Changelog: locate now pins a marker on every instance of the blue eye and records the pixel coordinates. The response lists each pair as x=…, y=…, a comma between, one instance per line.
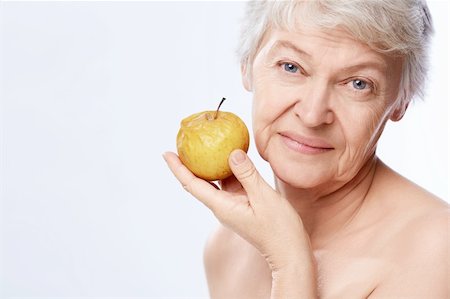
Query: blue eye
x=359, y=84
x=289, y=67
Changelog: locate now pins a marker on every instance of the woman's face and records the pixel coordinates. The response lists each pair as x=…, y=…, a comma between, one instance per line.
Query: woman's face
x=321, y=100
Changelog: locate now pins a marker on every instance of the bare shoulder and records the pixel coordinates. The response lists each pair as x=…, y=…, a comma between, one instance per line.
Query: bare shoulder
x=220, y=251
x=418, y=267
x=234, y=268
x=418, y=262
x=218, y=248
x=405, y=198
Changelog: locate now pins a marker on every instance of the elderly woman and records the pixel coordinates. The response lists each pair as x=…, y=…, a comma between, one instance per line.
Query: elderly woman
x=326, y=76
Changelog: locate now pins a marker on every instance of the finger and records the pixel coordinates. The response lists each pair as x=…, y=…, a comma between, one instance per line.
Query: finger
x=199, y=188
x=245, y=172
x=230, y=184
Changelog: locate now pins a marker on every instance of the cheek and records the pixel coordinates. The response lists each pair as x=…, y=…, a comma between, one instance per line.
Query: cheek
x=361, y=130
x=269, y=104
x=271, y=98
x=261, y=123
x=372, y=125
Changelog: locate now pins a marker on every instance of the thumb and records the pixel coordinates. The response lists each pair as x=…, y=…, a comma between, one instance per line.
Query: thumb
x=245, y=172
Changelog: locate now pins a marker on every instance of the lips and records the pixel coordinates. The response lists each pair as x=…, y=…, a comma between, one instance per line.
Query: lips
x=306, y=145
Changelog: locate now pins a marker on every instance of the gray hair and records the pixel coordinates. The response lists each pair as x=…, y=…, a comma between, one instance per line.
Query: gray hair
x=394, y=27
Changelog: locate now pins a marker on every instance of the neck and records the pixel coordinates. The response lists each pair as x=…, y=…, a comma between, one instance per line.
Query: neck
x=325, y=215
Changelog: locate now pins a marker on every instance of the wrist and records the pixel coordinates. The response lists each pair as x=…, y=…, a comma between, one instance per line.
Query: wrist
x=294, y=276
x=294, y=268
x=291, y=257
x=294, y=281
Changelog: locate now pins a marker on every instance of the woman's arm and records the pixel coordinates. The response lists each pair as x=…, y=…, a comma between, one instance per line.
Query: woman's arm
x=297, y=280
x=257, y=213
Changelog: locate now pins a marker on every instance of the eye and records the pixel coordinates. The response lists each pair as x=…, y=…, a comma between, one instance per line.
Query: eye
x=359, y=84
x=289, y=67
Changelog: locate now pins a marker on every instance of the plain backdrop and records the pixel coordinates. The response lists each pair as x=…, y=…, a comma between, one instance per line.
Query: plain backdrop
x=91, y=95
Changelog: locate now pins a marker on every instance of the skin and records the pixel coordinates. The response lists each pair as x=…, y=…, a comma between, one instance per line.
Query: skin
x=340, y=223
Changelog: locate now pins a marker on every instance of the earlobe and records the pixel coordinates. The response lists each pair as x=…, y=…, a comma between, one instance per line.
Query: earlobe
x=399, y=112
x=245, y=77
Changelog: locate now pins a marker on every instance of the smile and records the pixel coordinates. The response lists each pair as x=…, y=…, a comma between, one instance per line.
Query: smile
x=305, y=145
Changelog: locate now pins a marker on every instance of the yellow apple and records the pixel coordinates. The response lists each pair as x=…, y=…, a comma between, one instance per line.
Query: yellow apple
x=206, y=139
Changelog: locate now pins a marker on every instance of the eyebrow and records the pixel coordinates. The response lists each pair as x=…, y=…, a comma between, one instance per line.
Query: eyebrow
x=369, y=65
x=380, y=67
x=289, y=45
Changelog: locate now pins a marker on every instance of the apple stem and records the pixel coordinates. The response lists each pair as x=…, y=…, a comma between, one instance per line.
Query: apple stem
x=217, y=111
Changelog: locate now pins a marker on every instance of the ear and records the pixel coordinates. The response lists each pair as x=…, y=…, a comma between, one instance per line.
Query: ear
x=399, y=111
x=246, y=81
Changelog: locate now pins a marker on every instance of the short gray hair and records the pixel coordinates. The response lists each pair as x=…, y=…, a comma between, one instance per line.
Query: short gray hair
x=394, y=27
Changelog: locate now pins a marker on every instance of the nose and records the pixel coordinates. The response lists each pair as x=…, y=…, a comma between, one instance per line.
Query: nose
x=314, y=104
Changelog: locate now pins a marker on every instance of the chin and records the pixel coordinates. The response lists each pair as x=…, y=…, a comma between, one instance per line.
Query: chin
x=298, y=175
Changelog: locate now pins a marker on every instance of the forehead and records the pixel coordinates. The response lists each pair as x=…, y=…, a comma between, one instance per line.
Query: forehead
x=336, y=45
x=312, y=42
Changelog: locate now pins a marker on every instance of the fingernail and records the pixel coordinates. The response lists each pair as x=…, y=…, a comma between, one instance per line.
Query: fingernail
x=237, y=157
x=164, y=156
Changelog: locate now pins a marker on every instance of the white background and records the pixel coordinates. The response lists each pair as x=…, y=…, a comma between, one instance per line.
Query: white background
x=91, y=95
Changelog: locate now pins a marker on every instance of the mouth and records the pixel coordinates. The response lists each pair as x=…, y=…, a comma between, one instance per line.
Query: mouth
x=305, y=145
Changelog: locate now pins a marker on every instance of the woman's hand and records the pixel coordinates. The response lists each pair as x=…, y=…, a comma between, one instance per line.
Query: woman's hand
x=253, y=209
